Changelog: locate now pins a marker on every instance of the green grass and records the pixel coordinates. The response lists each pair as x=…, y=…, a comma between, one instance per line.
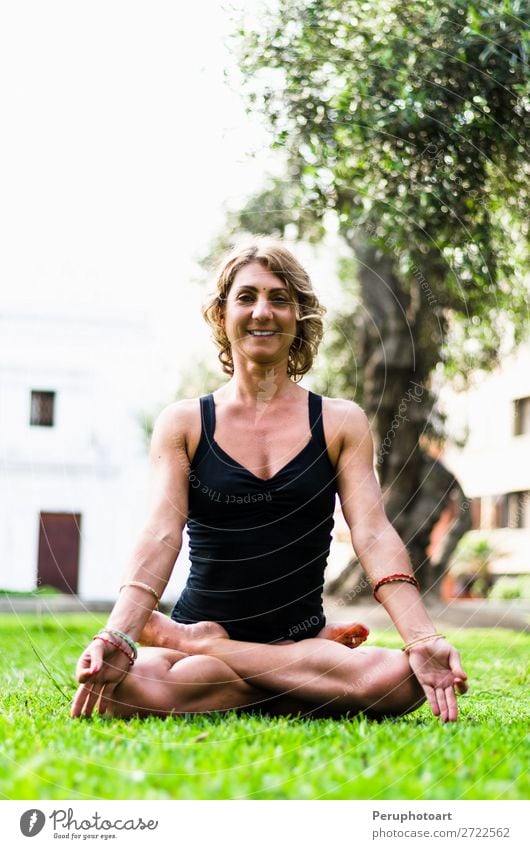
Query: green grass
x=45, y=755
x=43, y=590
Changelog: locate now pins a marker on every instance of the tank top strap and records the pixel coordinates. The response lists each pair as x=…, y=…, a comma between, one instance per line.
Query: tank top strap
x=315, y=419
x=207, y=428
x=208, y=417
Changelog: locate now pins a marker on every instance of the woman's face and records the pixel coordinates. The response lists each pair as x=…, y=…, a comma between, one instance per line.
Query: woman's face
x=259, y=315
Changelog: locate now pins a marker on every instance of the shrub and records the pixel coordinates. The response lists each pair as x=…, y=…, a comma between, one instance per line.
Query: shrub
x=511, y=586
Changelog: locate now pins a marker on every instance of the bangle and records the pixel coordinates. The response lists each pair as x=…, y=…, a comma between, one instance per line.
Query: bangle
x=399, y=576
x=112, y=642
x=124, y=637
x=421, y=640
x=142, y=586
x=116, y=646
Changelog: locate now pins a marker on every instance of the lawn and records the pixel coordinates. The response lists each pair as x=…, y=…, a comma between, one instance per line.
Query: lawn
x=48, y=756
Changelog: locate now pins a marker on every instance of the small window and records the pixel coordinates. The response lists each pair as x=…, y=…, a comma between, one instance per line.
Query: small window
x=518, y=509
x=475, y=513
x=521, y=416
x=500, y=511
x=42, y=408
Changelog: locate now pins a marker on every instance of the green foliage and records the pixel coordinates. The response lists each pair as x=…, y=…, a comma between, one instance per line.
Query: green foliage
x=473, y=552
x=471, y=563
x=46, y=755
x=511, y=586
x=411, y=120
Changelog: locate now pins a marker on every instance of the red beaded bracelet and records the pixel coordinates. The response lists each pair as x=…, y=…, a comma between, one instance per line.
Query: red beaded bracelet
x=129, y=657
x=399, y=576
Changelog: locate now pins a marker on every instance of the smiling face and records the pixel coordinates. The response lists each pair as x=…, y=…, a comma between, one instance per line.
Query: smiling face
x=259, y=315
x=265, y=264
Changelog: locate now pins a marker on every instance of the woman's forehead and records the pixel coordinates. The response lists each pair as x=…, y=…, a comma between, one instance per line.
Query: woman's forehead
x=257, y=276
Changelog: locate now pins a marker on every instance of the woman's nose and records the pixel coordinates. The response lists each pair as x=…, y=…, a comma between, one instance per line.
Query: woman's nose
x=262, y=308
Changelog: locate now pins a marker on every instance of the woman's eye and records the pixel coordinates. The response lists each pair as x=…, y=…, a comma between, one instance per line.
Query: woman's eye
x=247, y=299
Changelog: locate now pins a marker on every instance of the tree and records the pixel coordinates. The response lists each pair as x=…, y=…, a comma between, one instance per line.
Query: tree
x=411, y=121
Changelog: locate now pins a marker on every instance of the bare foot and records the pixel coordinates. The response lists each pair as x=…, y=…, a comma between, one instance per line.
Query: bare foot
x=350, y=635
x=164, y=632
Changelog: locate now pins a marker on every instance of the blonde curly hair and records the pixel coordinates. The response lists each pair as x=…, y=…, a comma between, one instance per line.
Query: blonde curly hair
x=274, y=256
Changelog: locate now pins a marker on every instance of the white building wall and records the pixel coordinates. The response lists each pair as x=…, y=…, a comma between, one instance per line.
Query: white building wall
x=493, y=460
x=93, y=461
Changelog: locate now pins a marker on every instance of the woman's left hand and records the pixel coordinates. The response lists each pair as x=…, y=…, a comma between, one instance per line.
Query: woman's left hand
x=99, y=670
x=438, y=668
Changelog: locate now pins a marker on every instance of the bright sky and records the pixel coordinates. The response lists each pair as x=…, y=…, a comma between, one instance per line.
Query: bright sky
x=121, y=145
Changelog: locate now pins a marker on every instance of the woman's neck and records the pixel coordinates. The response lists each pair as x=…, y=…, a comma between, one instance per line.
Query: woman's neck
x=254, y=383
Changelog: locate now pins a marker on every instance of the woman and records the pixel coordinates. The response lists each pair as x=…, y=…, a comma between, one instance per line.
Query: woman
x=253, y=469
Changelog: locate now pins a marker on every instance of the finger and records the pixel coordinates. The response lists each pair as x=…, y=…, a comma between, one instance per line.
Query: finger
x=105, y=698
x=452, y=705
x=431, y=698
x=79, y=701
x=91, y=700
x=75, y=708
x=455, y=664
x=86, y=708
x=90, y=662
x=442, y=703
x=83, y=665
x=99, y=701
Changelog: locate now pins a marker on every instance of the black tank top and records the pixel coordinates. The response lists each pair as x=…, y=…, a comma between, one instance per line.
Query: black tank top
x=258, y=548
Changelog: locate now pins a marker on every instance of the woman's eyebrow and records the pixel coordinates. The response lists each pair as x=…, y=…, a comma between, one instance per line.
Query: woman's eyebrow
x=256, y=288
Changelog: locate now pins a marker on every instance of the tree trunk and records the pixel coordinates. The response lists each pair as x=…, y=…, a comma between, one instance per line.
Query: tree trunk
x=399, y=340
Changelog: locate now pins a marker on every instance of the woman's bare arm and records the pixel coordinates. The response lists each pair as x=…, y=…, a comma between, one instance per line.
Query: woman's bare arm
x=160, y=540
x=376, y=543
x=381, y=552
x=101, y=667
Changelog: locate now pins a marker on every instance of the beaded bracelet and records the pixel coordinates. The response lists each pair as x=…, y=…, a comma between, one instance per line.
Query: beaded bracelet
x=142, y=586
x=124, y=637
x=422, y=640
x=399, y=576
x=115, y=646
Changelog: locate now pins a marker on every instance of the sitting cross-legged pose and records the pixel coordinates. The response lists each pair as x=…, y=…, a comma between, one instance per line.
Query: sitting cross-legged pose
x=254, y=469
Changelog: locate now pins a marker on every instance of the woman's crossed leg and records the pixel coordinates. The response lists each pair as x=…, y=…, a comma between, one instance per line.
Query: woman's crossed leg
x=165, y=681
x=212, y=673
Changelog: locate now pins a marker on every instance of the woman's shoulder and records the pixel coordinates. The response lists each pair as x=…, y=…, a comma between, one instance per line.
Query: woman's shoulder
x=179, y=421
x=178, y=411
x=343, y=408
x=343, y=418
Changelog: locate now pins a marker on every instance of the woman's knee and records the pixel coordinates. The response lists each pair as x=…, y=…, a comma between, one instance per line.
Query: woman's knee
x=201, y=672
x=389, y=686
x=162, y=683
x=202, y=683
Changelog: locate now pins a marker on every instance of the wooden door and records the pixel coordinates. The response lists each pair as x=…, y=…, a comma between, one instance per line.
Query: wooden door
x=58, y=558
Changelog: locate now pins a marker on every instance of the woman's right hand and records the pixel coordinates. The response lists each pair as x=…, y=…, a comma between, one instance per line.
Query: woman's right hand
x=99, y=670
x=439, y=670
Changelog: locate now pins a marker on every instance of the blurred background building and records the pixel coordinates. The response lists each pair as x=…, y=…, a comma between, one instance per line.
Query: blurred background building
x=73, y=456
x=491, y=422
